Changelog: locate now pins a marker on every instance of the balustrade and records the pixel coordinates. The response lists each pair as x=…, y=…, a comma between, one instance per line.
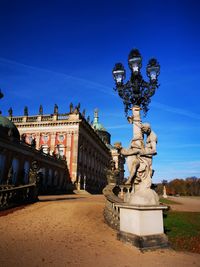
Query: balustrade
x=17, y=119
x=32, y=119
x=11, y=196
x=115, y=195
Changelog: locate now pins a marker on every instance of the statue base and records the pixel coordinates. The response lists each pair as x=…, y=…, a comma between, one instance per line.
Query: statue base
x=144, y=196
x=144, y=242
x=142, y=226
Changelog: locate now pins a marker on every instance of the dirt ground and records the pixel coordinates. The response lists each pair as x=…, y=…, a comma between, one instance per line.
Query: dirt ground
x=69, y=230
x=187, y=204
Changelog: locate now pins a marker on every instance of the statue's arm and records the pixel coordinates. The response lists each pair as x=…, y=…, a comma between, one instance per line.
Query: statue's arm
x=129, y=151
x=150, y=151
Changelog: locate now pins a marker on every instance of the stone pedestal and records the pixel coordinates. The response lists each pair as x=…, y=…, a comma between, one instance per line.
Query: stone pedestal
x=142, y=226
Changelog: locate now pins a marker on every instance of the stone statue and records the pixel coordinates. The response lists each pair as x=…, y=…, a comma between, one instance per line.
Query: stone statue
x=147, y=153
x=164, y=192
x=33, y=173
x=139, y=160
x=10, y=112
x=132, y=155
x=139, y=157
x=71, y=108
x=40, y=110
x=112, y=174
x=55, y=109
x=76, y=110
x=25, y=111
x=34, y=178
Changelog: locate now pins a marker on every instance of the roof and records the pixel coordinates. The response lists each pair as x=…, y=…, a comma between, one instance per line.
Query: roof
x=8, y=127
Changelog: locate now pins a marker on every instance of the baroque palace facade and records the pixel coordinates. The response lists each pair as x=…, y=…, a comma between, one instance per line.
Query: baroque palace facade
x=85, y=146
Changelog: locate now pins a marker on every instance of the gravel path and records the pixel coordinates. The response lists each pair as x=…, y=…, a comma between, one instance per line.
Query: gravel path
x=187, y=204
x=70, y=231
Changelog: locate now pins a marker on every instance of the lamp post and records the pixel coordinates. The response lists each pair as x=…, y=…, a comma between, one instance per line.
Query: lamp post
x=136, y=92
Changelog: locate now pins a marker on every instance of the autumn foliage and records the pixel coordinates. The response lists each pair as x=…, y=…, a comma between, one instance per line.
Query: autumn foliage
x=184, y=187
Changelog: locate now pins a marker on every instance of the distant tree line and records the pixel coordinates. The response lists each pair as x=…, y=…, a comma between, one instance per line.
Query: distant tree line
x=184, y=187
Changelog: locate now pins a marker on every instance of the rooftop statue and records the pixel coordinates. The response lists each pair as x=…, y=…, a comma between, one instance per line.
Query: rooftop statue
x=71, y=108
x=55, y=109
x=10, y=112
x=40, y=110
x=25, y=111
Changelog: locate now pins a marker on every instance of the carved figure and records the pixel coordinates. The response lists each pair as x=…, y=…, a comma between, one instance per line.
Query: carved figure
x=71, y=108
x=142, y=194
x=76, y=110
x=112, y=173
x=10, y=112
x=139, y=158
x=40, y=110
x=55, y=109
x=33, y=173
x=25, y=111
x=132, y=155
x=147, y=154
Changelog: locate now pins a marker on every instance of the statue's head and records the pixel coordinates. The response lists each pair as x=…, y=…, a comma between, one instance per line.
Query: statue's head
x=34, y=165
x=146, y=128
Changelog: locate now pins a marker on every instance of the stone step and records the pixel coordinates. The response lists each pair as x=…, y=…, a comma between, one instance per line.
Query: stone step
x=81, y=192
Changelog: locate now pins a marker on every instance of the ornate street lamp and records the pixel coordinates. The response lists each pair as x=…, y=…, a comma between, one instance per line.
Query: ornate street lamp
x=143, y=202
x=136, y=91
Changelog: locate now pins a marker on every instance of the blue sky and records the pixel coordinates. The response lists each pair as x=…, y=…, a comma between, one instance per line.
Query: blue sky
x=64, y=51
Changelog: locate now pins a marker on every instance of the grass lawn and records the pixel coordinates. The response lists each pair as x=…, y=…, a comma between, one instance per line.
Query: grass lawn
x=183, y=230
x=168, y=202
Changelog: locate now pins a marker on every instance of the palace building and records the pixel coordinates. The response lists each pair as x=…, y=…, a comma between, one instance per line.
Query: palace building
x=85, y=146
x=17, y=157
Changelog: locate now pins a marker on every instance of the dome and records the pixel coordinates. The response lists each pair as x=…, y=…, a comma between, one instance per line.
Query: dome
x=8, y=129
x=96, y=125
x=101, y=131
